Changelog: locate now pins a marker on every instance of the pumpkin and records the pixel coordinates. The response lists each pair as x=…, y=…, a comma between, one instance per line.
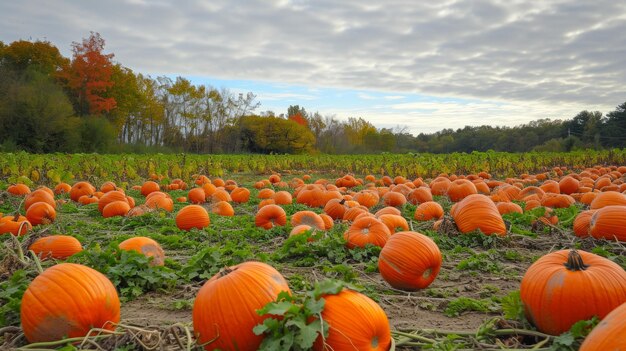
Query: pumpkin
x=240, y=195
x=108, y=186
x=312, y=195
x=352, y=213
x=368, y=199
x=582, y=223
x=395, y=223
x=335, y=208
x=309, y=218
x=269, y=216
x=221, y=195
x=18, y=189
x=300, y=229
x=551, y=186
x=419, y=195
x=427, y=211
x=557, y=200
x=39, y=196
x=564, y=287
x=138, y=211
x=568, y=185
x=41, y=213
x=219, y=182
x=68, y=300
x=56, y=246
x=274, y=178
x=388, y=210
x=14, y=224
x=148, y=187
x=460, y=189
x=282, y=198
x=160, y=202
x=224, y=312
x=328, y=221
x=356, y=323
x=609, y=223
x=196, y=196
x=394, y=199
x=209, y=189
x=81, y=188
x=608, y=198
x=265, y=194
x=192, y=216
x=88, y=199
x=109, y=197
x=223, y=208
x=266, y=202
x=440, y=186
x=477, y=211
x=366, y=230
x=147, y=247
x=409, y=261
x=62, y=188
x=116, y=208
x=609, y=333
x=508, y=207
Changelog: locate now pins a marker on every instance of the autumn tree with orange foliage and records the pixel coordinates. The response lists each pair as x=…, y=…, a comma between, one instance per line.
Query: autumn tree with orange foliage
x=88, y=76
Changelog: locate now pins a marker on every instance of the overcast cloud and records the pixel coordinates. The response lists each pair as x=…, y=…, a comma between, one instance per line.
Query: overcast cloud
x=501, y=62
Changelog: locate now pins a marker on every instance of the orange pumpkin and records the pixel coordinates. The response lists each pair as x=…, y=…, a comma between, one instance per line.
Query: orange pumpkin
x=12, y=225
x=366, y=230
x=282, y=198
x=608, y=334
x=56, y=246
x=109, y=197
x=609, y=223
x=223, y=208
x=224, y=313
x=335, y=208
x=18, y=189
x=478, y=212
x=62, y=188
x=341, y=311
x=368, y=199
x=115, y=208
x=196, y=196
x=582, y=223
x=508, y=207
x=419, y=195
x=309, y=218
x=240, y=195
x=269, y=216
x=394, y=199
x=460, y=189
x=265, y=194
x=148, y=187
x=39, y=196
x=108, y=186
x=409, y=261
x=427, y=211
x=81, y=188
x=554, y=286
x=147, y=247
x=88, y=199
x=395, y=223
x=192, y=216
x=608, y=198
x=328, y=221
x=41, y=213
x=68, y=300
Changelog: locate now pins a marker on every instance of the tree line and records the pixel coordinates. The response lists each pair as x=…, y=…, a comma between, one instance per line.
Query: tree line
x=90, y=103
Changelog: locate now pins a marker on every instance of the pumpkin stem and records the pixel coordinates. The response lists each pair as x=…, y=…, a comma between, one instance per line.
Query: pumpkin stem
x=225, y=271
x=575, y=262
x=343, y=201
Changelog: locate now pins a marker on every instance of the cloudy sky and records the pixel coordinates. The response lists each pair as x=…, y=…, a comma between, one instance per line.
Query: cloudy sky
x=426, y=65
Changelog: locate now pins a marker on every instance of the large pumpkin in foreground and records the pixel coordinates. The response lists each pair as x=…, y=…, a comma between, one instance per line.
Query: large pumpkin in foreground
x=609, y=334
x=356, y=323
x=564, y=287
x=68, y=300
x=224, y=312
x=409, y=261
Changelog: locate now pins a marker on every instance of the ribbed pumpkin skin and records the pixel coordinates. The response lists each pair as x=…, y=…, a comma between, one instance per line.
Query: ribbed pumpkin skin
x=366, y=230
x=269, y=216
x=609, y=198
x=41, y=213
x=394, y=223
x=609, y=334
x=555, y=298
x=147, y=247
x=609, y=223
x=356, y=323
x=309, y=218
x=115, y=208
x=460, y=189
x=478, y=212
x=227, y=303
x=409, y=261
x=81, y=188
x=56, y=246
x=428, y=210
x=582, y=223
x=192, y=216
x=68, y=300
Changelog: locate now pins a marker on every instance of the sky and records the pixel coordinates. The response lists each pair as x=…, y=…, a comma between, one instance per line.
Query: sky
x=423, y=65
